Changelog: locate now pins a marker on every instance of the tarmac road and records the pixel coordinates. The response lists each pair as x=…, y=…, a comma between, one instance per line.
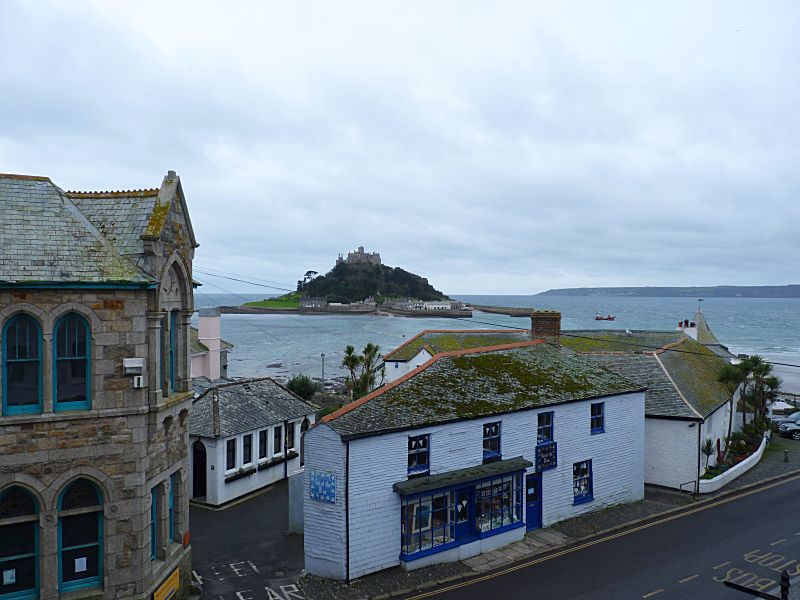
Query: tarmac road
x=748, y=539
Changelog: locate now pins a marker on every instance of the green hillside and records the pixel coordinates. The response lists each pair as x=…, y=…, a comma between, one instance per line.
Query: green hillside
x=353, y=282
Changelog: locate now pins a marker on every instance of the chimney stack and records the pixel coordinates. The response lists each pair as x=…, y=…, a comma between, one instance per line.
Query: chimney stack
x=208, y=334
x=546, y=324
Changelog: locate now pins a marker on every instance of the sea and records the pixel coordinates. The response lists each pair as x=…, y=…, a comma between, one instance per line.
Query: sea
x=284, y=345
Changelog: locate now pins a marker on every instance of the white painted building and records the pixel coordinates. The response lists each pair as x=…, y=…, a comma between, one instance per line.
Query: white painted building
x=245, y=435
x=685, y=404
x=465, y=455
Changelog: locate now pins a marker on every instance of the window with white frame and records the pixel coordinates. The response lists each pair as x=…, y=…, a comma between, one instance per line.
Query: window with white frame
x=276, y=439
x=247, y=449
x=263, y=447
x=491, y=441
x=582, y=482
x=419, y=461
x=290, y=436
x=598, y=417
x=230, y=454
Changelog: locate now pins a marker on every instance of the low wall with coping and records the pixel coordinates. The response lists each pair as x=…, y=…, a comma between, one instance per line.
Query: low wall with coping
x=712, y=485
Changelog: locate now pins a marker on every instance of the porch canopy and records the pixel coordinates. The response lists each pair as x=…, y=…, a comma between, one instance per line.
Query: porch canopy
x=420, y=485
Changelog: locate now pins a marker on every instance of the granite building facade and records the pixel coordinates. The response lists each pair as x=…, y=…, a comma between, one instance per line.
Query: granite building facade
x=95, y=302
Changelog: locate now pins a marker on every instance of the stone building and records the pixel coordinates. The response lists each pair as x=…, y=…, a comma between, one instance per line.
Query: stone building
x=95, y=302
x=360, y=257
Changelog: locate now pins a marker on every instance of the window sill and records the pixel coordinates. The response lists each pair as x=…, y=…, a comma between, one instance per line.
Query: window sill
x=600, y=430
x=277, y=460
x=239, y=474
x=582, y=500
x=81, y=591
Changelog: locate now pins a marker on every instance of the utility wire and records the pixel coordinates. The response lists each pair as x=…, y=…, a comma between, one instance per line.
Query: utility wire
x=218, y=273
x=632, y=344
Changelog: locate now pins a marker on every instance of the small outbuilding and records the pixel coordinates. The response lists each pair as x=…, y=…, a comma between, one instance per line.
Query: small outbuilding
x=245, y=435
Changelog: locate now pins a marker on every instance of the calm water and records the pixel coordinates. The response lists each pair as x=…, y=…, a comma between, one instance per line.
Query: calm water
x=282, y=345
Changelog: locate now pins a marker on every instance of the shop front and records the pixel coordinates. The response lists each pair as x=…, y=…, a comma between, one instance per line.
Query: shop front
x=453, y=515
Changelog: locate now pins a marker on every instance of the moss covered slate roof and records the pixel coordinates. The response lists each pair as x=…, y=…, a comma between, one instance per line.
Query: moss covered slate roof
x=680, y=373
x=46, y=238
x=448, y=341
x=479, y=383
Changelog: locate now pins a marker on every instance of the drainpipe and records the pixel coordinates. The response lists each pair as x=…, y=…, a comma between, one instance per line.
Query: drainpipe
x=285, y=449
x=347, y=510
x=697, y=481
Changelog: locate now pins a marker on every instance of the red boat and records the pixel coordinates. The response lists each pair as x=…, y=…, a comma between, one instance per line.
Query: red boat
x=599, y=317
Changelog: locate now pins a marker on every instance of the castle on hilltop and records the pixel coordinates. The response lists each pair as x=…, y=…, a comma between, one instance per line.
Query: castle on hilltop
x=360, y=257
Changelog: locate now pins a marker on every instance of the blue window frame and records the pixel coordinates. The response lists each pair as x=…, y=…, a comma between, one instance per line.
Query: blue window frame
x=173, y=319
x=419, y=457
x=173, y=481
x=544, y=429
x=71, y=363
x=598, y=417
x=441, y=519
x=491, y=442
x=22, y=366
x=80, y=537
x=19, y=545
x=154, y=523
x=582, y=482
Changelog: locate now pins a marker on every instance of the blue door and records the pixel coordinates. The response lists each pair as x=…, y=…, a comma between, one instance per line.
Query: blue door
x=464, y=510
x=533, y=501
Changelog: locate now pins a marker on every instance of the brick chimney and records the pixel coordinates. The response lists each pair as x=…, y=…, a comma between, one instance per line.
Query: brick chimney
x=546, y=324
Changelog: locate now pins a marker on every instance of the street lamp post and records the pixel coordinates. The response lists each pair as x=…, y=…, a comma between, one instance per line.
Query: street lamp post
x=323, y=366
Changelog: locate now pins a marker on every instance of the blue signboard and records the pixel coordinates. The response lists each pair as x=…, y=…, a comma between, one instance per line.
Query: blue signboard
x=323, y=486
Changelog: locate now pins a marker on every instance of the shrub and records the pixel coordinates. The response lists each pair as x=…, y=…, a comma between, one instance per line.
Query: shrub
x=303, y=386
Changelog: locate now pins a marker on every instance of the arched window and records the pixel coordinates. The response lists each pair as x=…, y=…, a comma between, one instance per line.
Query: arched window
x=19, y=544
x=80, y=537
x=71, y=371
x=22, y=366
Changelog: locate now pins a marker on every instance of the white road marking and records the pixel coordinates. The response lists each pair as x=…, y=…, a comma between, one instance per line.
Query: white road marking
x=695, y=576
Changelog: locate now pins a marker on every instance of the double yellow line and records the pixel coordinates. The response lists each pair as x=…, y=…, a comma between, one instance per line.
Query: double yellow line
x=612, y=536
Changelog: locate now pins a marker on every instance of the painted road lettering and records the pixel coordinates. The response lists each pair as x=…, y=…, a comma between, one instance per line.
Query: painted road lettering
x=751, y=580
x=242, y=568
x=287, y=592
x=774, y=562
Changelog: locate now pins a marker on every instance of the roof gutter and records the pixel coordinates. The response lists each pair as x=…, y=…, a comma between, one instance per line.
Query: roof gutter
x=101, y=285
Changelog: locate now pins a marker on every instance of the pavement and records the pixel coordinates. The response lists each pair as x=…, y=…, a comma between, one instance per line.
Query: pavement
x=658, y=502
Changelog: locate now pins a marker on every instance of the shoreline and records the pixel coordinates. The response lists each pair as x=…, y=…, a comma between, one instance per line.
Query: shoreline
x=369, y=311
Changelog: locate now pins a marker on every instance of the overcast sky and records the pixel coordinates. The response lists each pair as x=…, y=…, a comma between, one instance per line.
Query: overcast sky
x=493, y=147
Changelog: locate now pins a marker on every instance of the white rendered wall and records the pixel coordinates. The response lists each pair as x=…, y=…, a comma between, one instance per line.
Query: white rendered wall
x=218, y=491
x=395, y=369
x=376, y=463
x=715, y=427
x=670, y=452
x=324, y=536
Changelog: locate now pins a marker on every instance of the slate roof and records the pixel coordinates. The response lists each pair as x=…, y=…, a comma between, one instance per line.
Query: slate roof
x=680, y=373
x=480, y=382
x=120, y=216
x=46, y=239
x=244, y=406
x=440, y=340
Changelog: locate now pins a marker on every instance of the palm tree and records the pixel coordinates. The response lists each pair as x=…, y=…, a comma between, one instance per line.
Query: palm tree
x=363, y=370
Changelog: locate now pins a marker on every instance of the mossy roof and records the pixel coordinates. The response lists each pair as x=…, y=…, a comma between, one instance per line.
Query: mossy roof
x=680, y=373
x=479, y=383
x=448, y=341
